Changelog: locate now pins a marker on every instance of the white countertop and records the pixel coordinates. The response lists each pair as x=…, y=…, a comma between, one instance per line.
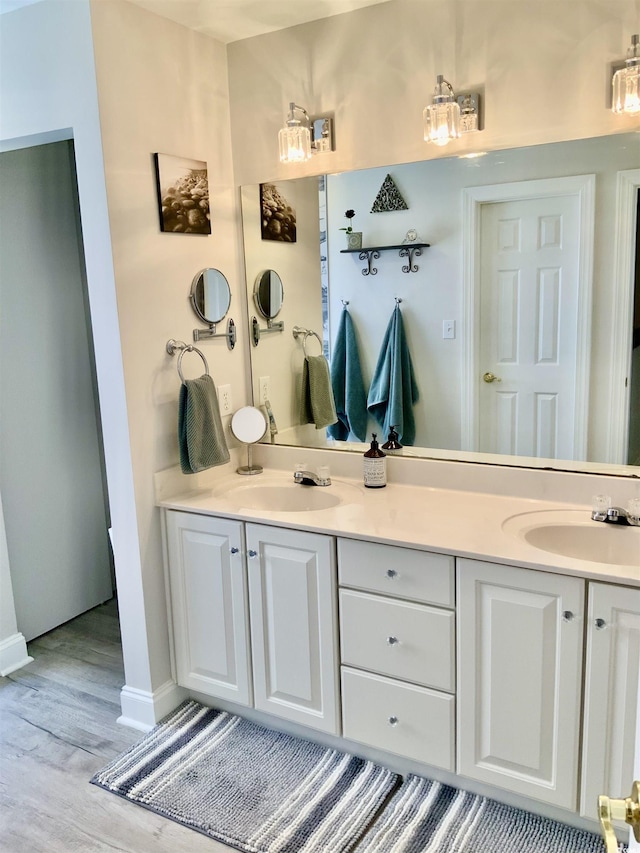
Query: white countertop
x=466, y=524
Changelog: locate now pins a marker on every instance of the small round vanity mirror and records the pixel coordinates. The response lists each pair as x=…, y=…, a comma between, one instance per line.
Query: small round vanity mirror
x=249, y=425
x=268, y=293
x=210, y=295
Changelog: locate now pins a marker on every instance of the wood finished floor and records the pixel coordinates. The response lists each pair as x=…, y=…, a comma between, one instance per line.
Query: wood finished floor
x=57, y=728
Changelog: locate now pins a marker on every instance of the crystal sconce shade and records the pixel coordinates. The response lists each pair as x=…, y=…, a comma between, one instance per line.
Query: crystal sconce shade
x=447, y=117
x=303, y=136
x=294, y=139
x=626, y=82
x=442, y=117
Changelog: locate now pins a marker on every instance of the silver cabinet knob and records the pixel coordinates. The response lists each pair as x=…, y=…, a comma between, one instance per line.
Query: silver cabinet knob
x=235, y=550
x=392, y=573
x=253, y=553
x=600, y=624
x=568, y=616
x=393, y=720
x=392, y=641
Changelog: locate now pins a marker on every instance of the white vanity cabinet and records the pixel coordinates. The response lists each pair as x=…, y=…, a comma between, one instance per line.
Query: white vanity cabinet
x=292, y=594
x=255, y=623
x=208, y=600
x=611, y=693
x=520, y=652
x=397, y=637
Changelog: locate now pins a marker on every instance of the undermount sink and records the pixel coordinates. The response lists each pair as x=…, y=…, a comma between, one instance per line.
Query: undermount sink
x=572, y=533
x=284, y=496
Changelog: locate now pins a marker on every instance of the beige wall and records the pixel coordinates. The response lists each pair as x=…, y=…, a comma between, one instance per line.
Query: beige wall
x=163, y=88
x=375, y=69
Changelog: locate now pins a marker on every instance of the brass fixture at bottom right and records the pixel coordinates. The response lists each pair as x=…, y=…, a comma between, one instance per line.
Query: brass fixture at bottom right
x=627, y=809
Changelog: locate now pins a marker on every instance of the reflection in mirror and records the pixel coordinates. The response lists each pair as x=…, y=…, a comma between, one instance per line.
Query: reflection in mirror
x=210, y=295
x=268, y=293
x=249, y=425
x=445, y=315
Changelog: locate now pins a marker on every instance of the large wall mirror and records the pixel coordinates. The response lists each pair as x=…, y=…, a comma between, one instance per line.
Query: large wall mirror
x=473, y=307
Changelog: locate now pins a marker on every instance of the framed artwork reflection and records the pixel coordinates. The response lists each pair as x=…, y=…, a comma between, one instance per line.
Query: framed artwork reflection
x=278, y=217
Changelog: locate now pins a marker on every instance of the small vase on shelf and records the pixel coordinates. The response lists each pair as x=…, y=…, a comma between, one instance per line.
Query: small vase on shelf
x=354, y=239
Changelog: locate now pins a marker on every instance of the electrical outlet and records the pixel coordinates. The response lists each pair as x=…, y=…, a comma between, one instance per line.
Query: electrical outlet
x=264, y=388
x=448, y=328
x=224, y=398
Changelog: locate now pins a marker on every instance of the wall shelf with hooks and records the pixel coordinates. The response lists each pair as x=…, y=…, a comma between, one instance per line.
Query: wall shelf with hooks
x=372, y=253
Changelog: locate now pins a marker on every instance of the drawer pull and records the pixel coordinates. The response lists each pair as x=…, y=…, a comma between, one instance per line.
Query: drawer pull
x=392, y=641
x=253, y=553
x=600, y=624
x=392, y=573
x=393, y=720
x=568, y=616
x=235, y=550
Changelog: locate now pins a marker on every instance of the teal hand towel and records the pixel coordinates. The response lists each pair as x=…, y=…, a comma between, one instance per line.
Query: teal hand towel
x=394, y=392
x=200, y=433
x=347, y=384
x=317, y=404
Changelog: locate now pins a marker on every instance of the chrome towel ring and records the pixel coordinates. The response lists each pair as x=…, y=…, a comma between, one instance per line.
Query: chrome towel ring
x=173, y=345
x=298, y=331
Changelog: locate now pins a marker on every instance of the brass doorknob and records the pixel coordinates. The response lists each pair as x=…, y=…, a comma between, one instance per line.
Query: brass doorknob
x=491, y=377
x=627, y=809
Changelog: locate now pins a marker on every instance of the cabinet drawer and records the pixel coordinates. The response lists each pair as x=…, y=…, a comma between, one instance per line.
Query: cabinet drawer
x=403, y=572
x=400, y=718
x=409, y=641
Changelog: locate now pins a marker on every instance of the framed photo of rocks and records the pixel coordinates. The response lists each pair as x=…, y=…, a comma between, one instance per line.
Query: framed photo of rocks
x=277, y=216
x=183, y=195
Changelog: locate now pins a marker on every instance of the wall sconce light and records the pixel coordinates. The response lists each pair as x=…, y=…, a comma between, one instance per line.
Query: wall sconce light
x=447, y=117
x=303, y=136
x=626, y=81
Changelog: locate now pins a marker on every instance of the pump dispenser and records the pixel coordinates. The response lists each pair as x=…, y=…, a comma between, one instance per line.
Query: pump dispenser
x=375, y=466
x=392, y=444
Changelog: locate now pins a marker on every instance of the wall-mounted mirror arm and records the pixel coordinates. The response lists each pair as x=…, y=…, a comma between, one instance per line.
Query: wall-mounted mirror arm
x=256, y=331
x=206, y=334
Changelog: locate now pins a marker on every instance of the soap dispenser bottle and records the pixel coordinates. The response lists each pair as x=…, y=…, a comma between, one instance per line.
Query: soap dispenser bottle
x=392, y=443
x=375, y=466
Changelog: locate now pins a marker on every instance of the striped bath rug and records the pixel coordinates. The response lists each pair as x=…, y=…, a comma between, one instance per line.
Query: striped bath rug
x=254, y=789
x=425, y=816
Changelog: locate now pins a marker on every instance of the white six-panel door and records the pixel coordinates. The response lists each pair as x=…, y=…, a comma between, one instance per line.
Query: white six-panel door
x=528, y=329
x=293, y=602
x=209, y=605
x=519, y=679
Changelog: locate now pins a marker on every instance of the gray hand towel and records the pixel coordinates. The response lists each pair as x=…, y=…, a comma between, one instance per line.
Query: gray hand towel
x=200, y=433
x=317, y=404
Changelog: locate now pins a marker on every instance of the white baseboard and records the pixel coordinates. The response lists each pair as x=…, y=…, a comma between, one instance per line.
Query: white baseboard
x=142, y=709
x=13, y=654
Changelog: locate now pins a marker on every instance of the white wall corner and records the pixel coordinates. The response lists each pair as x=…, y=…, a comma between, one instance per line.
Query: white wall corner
x=142, y=710
x=13, y=654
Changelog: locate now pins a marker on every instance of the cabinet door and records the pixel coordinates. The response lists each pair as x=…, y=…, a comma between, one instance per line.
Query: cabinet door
x=207, y=580
x=611, y=693
x=292, y=594
x=519, y=679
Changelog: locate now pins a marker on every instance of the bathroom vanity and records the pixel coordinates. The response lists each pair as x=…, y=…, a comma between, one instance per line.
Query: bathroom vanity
x=438, y=637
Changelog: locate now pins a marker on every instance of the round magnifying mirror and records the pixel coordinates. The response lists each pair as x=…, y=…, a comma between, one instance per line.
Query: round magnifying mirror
x=210, y=295
x=268, y=293
x=249, y=425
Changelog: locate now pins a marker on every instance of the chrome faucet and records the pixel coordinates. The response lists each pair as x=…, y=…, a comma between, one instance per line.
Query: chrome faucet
x=603, y=511
x=309, y=478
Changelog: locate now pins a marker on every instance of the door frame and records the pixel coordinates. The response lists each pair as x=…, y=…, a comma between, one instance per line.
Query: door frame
x=627, y=185
x=582, y=186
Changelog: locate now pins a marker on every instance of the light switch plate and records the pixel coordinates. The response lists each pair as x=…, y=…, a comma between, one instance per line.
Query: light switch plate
x=448, y=328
